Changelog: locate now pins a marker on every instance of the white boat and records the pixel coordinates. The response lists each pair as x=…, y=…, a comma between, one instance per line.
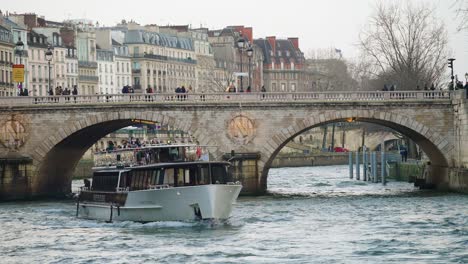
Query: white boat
x=157, y=183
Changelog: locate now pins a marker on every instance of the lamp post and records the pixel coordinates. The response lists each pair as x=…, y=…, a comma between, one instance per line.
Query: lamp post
x=450, y=65
x=249, y=54
x=19, y=51
x=49, y=55
x=241, y=45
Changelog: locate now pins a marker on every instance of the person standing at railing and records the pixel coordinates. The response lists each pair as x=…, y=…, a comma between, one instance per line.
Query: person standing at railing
x=263, y=90
x=74, y=92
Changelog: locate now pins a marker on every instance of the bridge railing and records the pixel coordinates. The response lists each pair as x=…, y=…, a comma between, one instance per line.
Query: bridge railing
x=228, y=97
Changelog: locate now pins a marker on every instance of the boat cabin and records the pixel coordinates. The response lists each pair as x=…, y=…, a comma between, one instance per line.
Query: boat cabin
x=163, y=175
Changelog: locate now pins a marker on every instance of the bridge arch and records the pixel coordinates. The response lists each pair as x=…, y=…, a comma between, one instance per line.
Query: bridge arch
x=57, y=156
x=436, y=146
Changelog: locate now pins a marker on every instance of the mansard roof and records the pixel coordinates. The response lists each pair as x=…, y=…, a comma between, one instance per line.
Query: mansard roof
x=159, y=39
x=285, y=52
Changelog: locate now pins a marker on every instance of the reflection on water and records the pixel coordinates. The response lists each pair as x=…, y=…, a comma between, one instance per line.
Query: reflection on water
x=311, y=215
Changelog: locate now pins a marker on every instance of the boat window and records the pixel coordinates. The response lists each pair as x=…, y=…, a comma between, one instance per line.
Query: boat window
x=123, y=180
x=160, y=179
x=187, y=177
x=169, y=176
x=219, y=174
x=105, y=181
x=163, y=155
x=180, y=177
x=204, y=176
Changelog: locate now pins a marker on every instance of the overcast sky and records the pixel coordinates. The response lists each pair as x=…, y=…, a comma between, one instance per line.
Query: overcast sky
x=318, y=23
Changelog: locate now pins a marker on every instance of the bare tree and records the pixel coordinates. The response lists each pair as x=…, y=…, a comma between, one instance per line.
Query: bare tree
x=406, y=43
x=330, y=70
x=462, y=14
x=222, y=76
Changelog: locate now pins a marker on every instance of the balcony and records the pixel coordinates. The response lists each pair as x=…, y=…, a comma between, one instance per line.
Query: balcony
x=86, y=78
x=87, y=64
x=136, y=71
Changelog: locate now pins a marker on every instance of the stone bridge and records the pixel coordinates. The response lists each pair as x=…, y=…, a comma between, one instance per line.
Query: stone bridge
x=43, y=138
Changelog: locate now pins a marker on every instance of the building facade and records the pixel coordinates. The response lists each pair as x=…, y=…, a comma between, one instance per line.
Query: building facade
x=123, y=70
x=283, y=65
x=38, y=66
x=106, y=71
x=88, y=80
x=7, y=87
x=160, y=61
x=71, y=61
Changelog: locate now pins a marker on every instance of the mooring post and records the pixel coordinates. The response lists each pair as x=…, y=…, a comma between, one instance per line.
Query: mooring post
x=358, y=169
x=383, y=163
x=369, y=167
x=364, y=164
x=374, y=167
x=350, y=165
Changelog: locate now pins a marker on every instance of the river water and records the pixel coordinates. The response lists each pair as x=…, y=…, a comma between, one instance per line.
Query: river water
x=312, y=215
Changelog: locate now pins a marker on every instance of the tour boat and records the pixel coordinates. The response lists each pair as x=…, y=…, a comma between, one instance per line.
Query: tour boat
x=158, y=183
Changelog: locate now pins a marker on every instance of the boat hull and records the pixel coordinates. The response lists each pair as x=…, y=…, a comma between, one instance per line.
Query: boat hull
x=170, y=204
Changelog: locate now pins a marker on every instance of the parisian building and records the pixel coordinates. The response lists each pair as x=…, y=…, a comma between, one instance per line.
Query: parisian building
x=232, y=61
x=123, y=70
x=106, y=71
x=161, y=60
x=283, y=65
x=21, y=55
x=7, y=47
x=38, y=67
x=88, y=80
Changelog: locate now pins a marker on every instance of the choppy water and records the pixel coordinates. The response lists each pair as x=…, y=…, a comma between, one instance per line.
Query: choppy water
x=313, y=215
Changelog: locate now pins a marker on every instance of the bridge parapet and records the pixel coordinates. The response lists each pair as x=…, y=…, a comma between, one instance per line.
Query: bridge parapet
x=377, y=96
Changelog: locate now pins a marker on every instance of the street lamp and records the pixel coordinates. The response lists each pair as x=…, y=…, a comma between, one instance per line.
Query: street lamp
x=19, y=48
x=19, y=51
x=241, y=45
x=49, y=55
x=249, y=54
x=450, y=65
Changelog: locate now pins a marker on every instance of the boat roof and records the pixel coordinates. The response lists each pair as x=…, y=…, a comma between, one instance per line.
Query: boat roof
x=158, y=165
x=153, y=146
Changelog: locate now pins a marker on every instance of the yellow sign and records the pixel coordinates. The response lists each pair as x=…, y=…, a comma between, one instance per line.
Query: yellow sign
x=18, y=73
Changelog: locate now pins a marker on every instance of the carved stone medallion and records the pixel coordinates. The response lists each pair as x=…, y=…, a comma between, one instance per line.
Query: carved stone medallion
x=241, y=129
x=13, y=132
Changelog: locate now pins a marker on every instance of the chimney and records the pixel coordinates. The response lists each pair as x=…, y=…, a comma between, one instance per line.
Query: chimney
x=295, y=42
x=272, y=41
x=247, y=32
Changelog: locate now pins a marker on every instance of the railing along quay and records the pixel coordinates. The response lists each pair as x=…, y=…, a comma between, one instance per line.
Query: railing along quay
x=229, y=97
